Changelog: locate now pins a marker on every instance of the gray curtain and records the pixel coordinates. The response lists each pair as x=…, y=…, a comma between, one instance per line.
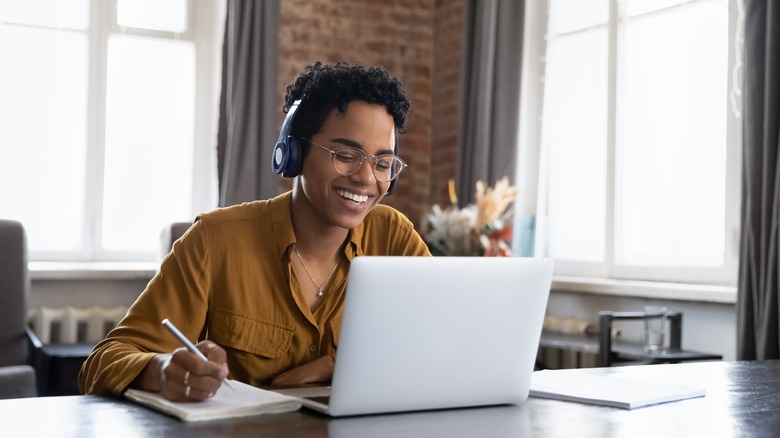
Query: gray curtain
x=488, y=139
x=759, y=273
x=248, y=125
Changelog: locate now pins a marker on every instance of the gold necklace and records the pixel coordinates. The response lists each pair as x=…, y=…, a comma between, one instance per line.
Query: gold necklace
x=324, y=283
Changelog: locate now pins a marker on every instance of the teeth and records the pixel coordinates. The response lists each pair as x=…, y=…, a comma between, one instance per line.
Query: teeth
x=353, y=197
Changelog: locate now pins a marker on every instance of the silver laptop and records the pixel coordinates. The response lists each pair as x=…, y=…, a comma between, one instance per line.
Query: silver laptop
x=422, y=333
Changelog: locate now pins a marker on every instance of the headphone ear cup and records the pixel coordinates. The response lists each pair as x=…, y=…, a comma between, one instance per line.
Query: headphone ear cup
x=286, y=158
x=391, y=189
x=280, y=158
x=295, y=158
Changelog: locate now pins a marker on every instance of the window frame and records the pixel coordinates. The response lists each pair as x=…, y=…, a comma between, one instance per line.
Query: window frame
x=204, y=22
x=531, y=154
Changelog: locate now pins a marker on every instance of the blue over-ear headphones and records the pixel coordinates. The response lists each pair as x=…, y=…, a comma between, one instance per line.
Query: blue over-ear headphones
x=287, y=158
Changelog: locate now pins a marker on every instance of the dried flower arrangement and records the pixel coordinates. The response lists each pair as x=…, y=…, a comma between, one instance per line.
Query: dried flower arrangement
x=480, y=229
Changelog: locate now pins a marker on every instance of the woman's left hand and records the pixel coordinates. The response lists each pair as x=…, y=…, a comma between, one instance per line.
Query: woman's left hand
x=319, y=370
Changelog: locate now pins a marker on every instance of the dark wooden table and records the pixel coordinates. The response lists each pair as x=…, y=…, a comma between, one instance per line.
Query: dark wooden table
x=743, y=399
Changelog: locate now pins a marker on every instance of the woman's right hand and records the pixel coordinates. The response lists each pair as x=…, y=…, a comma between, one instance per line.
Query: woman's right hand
x=183, y=376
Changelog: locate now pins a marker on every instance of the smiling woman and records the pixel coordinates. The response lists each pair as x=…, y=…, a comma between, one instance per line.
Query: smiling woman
x=265, y=280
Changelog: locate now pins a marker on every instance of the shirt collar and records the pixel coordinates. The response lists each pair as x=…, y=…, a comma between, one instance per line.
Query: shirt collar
x=354, y=248
x=281, y=218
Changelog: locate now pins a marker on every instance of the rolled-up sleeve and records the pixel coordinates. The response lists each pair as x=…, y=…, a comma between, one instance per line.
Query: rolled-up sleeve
x=179, y=292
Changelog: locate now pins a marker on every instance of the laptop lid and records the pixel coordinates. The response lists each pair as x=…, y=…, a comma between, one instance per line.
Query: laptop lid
x=423, y=333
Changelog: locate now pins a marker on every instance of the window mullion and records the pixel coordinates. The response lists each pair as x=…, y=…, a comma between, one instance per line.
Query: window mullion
x=610, y=219
x=100, y=14
x=202, y=21
x=733, y=141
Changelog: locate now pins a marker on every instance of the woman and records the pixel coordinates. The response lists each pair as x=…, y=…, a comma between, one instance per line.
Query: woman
x=263, y=282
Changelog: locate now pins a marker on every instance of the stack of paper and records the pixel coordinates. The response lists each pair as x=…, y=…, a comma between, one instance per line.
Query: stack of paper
x=240, y=401
x=604, y=390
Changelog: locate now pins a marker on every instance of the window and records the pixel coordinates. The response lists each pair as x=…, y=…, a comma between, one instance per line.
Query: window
x=107, y=122
x=639, y=145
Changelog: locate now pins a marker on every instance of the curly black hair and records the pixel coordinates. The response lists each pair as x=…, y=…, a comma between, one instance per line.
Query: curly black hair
x=329, y=86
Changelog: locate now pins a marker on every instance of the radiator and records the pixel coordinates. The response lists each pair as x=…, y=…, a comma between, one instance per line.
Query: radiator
x=554, y=357
x=70, y=325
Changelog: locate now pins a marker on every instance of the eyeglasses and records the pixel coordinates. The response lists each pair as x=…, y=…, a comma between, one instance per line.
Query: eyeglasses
x=349, y=160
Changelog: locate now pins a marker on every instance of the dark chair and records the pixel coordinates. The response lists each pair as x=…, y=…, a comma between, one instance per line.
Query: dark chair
x=170, y=234
x=17, y=376
x=57, y=365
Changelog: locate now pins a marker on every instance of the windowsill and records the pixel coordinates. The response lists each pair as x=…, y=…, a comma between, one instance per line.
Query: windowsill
x=647, y=289
x=92, y=270
x=582, y=285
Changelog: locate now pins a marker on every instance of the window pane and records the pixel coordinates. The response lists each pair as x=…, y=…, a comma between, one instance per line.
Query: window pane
x=672, y=157
x=167, y=15
x=574, y=136
x=149, y=140
x=43, y=113
x=72, y=14
x=571, y=15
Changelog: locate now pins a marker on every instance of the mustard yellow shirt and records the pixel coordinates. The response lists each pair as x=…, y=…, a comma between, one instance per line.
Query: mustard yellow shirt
x=229, y=278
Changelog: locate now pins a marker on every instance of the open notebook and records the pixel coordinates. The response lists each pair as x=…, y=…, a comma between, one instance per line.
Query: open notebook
x=578, y=386
x=424, y=333
x=239, y=401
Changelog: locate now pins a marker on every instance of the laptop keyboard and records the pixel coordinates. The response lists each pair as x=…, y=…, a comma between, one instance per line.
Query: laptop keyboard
x=324, y=399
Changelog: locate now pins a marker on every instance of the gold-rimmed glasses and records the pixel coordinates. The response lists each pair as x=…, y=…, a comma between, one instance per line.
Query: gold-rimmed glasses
x=349, y=160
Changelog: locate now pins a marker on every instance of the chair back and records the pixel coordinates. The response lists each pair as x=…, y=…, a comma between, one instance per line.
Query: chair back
x=14, y=291
x=171, y=233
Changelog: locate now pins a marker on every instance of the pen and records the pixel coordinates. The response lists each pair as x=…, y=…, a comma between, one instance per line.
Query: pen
x=183, y=339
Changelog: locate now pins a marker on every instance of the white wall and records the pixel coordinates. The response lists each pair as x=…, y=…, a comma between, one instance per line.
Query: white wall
x=85, y=293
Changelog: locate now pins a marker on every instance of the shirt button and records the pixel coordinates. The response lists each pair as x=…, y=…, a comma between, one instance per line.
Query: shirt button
x=313, y=348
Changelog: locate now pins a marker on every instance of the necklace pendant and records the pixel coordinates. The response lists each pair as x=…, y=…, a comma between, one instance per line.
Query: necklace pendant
x=319, y=286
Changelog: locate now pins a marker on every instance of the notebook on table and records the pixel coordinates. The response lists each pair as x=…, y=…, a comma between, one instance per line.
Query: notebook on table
x=421, y=333
x=238, y=400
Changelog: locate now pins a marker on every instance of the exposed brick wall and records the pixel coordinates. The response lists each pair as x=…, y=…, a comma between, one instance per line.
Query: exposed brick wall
x=416, y=40
x=447, y=67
